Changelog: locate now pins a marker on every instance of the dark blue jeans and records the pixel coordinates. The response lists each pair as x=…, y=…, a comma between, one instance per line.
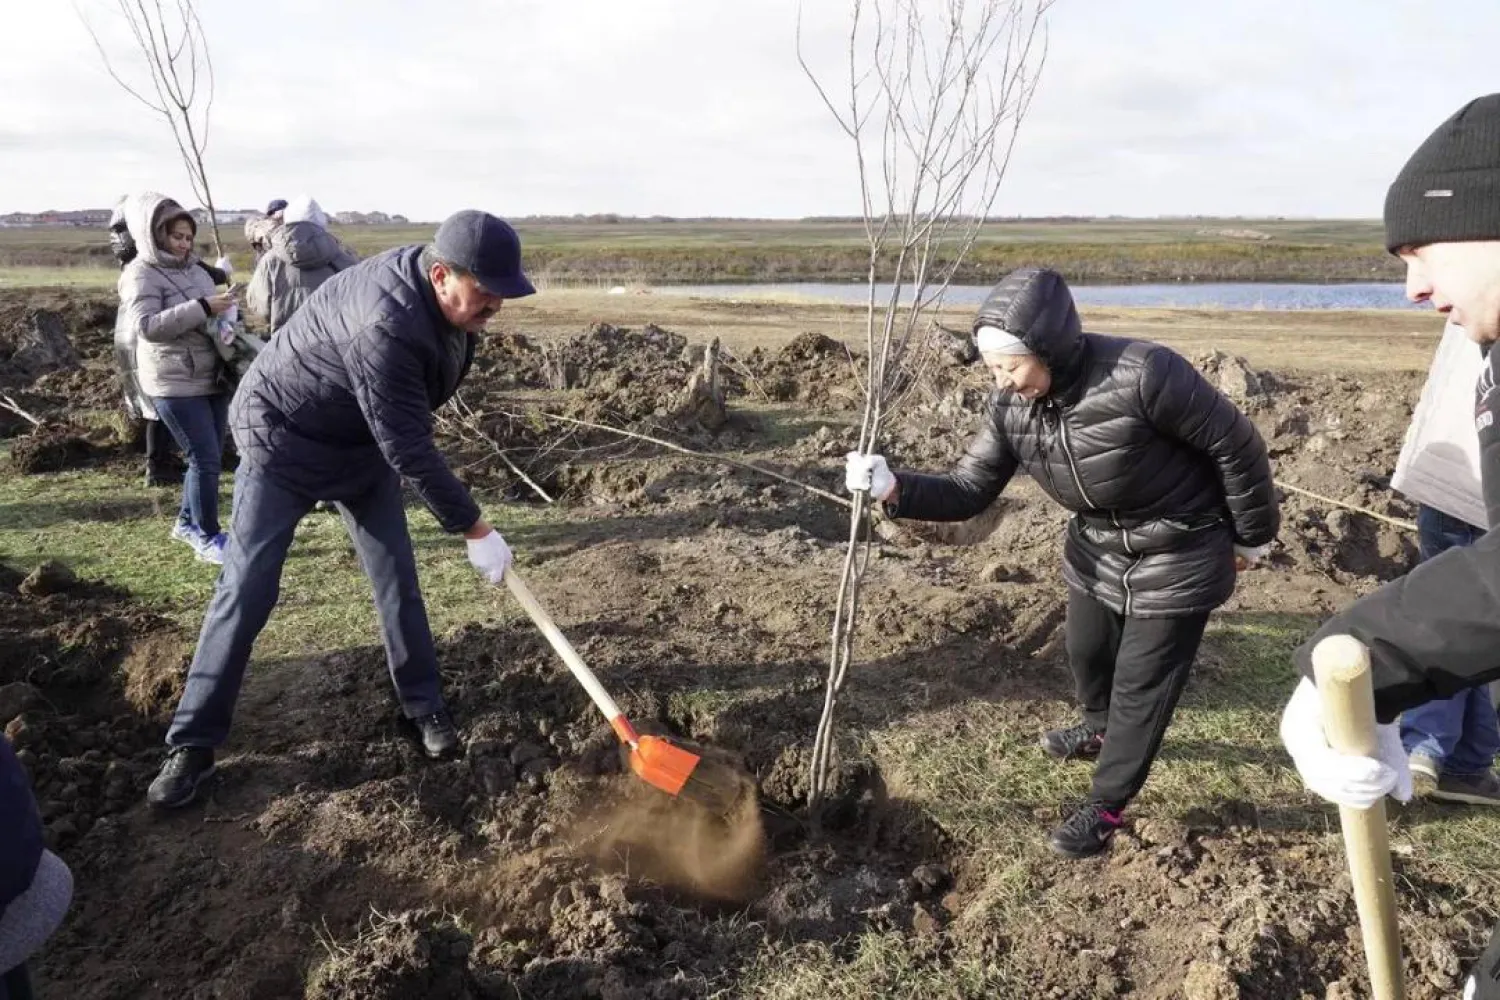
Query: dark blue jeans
x=16, y=984
x=265, y=517
x=1461, y=732
x=198, y=424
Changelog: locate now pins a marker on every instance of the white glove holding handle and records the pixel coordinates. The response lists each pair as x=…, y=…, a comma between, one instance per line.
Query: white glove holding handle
x=490, y=555
x=1358, y=782
x=869, y=472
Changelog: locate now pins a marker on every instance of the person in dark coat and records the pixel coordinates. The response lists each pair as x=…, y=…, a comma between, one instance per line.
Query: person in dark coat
x=302, y=254
x=1171, y=491
x=35, y=885
x=1435, y=631
x=339, y=406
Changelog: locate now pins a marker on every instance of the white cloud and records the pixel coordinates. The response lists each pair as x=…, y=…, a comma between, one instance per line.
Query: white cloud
x=660, y=106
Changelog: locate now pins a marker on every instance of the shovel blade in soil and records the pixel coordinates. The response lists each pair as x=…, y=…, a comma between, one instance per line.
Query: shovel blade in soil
x=661, y=763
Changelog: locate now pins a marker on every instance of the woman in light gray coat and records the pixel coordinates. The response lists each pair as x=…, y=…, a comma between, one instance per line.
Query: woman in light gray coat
x=301, y=255
x=167, y=302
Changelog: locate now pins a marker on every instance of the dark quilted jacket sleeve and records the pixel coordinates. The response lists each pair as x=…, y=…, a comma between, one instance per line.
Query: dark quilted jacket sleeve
x=1180, y=402
x=1431, y=633
x=386, y=375
x=981, y=474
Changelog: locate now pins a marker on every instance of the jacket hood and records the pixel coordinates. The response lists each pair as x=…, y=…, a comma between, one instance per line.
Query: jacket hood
x=141, y=211
x=305, y=244
x=1034, y=303
x=304, y=209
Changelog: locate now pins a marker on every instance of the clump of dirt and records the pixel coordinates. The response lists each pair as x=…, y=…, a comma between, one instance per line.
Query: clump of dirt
x=55, y=449
x=813, y=369
x=67, y=659
x=630, y=377
x=56, y=365
x=419, y=953
x=1232, y=375
x=34, y=346
x=87, y=316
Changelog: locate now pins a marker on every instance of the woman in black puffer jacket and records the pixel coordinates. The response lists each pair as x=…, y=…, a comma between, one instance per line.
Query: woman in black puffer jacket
x=1171, y=491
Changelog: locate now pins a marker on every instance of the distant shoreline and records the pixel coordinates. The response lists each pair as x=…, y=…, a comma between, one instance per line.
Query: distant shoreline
x=1102, y=252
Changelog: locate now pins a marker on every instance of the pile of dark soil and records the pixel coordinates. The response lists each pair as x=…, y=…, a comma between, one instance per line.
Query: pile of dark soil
x=86, y=682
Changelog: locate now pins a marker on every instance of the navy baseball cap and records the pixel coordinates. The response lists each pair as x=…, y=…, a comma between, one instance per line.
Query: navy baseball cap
x=486, y=247
x=277, y=205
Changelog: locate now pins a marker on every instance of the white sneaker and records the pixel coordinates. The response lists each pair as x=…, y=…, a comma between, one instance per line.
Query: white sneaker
x=185, y=532
x=211, y=549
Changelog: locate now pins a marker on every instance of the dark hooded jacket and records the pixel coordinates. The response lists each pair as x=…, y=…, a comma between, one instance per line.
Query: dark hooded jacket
x=301, y=256
x=1163, y=473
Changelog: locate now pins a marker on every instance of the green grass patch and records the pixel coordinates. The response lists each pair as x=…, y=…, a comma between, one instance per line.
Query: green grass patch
x=111, y=528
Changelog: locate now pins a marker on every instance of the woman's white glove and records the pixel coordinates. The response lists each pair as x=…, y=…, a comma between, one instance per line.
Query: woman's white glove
x=1358, y=782
x=490, y=555
x=225, y=264
x=869, y=472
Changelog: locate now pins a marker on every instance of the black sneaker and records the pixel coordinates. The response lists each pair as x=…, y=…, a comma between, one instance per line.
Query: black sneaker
x=1080, y=742
x=181, y=775
x=1087, y=832
x=437, y=736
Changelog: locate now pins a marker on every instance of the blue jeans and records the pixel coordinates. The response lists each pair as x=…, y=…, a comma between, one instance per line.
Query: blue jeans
x=198, y=424
x=16, y=984
x=265, y=518
x=1461, y=732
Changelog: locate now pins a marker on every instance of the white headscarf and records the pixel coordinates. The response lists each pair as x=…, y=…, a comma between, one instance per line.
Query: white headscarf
x=996, y=342
x=304, y=209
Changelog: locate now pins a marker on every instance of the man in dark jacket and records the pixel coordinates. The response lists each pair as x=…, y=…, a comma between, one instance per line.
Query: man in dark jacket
x=339, y=406
x=35, y=885
x=1435, y=631
x=1170, y=485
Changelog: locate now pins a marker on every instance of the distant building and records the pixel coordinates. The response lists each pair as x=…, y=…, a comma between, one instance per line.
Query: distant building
x=83, y=217
x=99, y=217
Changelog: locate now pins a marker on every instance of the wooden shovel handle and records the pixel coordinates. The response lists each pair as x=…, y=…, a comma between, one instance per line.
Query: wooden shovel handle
x=1341, y=668
x=564, y=648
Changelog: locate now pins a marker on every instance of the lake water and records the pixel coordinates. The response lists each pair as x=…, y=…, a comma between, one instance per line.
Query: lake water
x=1185, y=296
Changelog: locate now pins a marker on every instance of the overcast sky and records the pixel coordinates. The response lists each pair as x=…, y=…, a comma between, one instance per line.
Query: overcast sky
x=697, y=107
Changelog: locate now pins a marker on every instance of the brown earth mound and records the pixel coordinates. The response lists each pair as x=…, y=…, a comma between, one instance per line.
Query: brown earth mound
x=86, y=680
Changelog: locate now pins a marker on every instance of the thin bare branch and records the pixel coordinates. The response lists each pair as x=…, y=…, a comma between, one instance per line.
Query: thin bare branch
x=935, y=100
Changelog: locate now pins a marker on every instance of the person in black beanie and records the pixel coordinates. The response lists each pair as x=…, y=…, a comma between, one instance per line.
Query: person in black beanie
x=1435, y=631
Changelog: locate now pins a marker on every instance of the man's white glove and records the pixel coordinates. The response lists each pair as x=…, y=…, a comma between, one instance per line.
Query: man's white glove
x=869, y=472
x=1359, y=782
x=490, y=555
x=1251, y=554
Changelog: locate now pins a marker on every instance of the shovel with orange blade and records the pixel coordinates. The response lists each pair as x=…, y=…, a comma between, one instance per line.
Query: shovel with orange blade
x=656, y=760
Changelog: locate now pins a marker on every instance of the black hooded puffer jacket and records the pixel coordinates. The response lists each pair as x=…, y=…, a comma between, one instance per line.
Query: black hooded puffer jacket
x=1163, y=472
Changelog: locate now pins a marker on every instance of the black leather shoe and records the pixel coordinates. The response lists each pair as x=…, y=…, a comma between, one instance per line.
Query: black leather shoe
x=437, y=736
x=1080, y=742
x=181, y=776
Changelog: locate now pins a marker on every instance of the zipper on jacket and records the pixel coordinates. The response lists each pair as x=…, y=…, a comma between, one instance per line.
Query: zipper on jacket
x=1125, y=577
x=1125, y=585
x=1062, y=425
